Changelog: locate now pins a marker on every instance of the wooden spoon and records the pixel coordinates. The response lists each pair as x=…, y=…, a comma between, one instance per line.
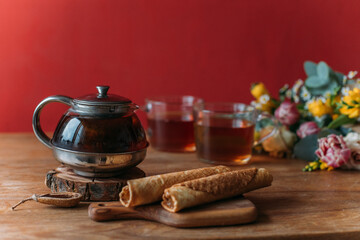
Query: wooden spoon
x=63, y=199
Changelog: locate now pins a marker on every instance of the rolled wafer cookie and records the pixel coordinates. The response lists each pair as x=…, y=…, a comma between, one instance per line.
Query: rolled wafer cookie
x=220, y=186
x=150, y=189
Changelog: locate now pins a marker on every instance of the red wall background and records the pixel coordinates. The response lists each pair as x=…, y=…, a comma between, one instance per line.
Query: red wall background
x=210, y=48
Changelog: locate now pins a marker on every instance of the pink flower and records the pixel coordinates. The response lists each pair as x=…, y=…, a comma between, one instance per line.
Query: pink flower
x=333, y=150
x=352, y=140
x=307, y=129
x=354, y=162
x=287, y=113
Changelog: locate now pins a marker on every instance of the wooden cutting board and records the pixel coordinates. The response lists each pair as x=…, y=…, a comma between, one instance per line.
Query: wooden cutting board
x=228, y=212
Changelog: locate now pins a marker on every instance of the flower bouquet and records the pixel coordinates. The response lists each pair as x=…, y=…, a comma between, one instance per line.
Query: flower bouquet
x=316, y=118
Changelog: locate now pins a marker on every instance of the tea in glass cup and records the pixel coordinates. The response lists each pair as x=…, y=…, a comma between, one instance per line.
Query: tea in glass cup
x=171, y=123
x=224, y=132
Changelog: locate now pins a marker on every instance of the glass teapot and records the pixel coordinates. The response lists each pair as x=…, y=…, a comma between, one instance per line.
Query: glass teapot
x=98, y=136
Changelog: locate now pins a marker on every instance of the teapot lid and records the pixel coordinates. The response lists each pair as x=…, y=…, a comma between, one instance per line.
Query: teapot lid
x=103, y=103
x=102, y=98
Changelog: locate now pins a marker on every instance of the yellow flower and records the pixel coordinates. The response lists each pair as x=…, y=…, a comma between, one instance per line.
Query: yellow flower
x=314, y=165
x=317, y=165
x=319, y=108
x=323, y=165
x=258, y=89
x=262, y=105
x=266, y=108
x=351, y=104
x=351, y=113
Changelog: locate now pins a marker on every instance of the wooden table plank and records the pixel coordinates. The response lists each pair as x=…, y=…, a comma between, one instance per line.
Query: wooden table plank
x=299, y=205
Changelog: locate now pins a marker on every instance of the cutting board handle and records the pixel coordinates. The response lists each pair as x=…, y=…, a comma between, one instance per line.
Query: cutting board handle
x=111, y=211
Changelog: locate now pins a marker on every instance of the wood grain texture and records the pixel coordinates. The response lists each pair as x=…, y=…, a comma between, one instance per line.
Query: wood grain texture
x=222, y=213
x=63, y=179
x=298, y=205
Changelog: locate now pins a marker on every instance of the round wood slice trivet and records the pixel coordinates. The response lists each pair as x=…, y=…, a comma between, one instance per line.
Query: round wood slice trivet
x=63, y=179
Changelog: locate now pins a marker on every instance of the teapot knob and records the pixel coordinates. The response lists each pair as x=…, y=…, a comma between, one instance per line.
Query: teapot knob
x=102, y=91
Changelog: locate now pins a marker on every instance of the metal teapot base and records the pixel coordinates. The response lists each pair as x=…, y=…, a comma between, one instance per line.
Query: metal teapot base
x=98, y=164
x=98, y=174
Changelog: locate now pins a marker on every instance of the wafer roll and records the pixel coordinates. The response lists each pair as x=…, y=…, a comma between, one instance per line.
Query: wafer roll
x=150, y=189
x=215, y=187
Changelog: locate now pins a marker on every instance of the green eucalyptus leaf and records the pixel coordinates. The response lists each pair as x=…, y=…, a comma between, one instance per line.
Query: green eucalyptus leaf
x=316, y=82
x=310, y=68
x=323, y=70
x=306, y=147
x=323, y=80
x=339, y=77
x=335, y=78
x=326, y=132
x=331, y=87
x=350, y=81
x=345, y=130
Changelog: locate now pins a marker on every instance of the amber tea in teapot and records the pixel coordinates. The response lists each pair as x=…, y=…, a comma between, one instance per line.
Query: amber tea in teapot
x=98, y=136
x=87, y=134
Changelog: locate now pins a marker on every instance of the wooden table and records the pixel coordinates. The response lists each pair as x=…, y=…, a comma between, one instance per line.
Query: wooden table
x=299, y=205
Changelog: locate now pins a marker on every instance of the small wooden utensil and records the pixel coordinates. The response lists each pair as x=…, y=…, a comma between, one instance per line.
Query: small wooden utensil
x=64, y=199
x=228, y=212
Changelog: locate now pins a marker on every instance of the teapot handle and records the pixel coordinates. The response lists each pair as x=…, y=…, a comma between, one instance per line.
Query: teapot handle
x=39, y=133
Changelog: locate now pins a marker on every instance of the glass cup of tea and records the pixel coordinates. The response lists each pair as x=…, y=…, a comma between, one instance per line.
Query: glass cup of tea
x=171, y=123
x=224, y=132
